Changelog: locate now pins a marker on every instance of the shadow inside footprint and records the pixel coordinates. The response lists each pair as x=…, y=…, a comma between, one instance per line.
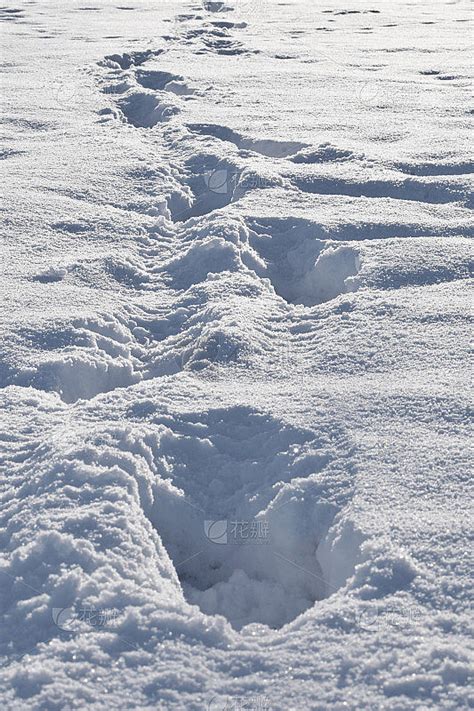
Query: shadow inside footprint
x=248, y=503
x=266, y=147
x=153, y=79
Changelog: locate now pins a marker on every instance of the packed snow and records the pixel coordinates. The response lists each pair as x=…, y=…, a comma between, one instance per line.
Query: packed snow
x=234, y=365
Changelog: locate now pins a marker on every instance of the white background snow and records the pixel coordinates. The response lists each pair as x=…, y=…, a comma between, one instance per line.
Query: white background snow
x=234, y=355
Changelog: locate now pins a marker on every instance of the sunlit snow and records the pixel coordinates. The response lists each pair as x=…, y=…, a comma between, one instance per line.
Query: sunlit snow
x=234, y=437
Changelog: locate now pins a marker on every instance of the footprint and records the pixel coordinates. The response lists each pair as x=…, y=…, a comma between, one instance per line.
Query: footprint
x=323, y=154
x=153, y=79
x=428, y=169
x=227, y=25
x=266, y=147
x=216, y=6
x=213, y=183
x=302, y=268
x=144, y=110
x=187, y=18
x=247, y=542
x=125, y=61
x=226, y=46
x=404, y=190
x=50, y=275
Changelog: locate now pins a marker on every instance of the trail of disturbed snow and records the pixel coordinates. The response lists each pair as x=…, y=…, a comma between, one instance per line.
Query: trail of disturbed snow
x=227, y=434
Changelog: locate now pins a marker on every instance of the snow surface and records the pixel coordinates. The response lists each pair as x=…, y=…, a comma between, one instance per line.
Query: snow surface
x=234, y=355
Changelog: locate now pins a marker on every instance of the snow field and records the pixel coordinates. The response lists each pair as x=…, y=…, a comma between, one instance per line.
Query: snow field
x=235, y=445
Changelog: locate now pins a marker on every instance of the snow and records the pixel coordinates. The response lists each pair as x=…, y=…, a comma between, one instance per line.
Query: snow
x=234, y=356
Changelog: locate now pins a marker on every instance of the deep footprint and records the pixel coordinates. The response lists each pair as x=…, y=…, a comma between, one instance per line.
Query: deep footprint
x=246, y=545
x=266, y=147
